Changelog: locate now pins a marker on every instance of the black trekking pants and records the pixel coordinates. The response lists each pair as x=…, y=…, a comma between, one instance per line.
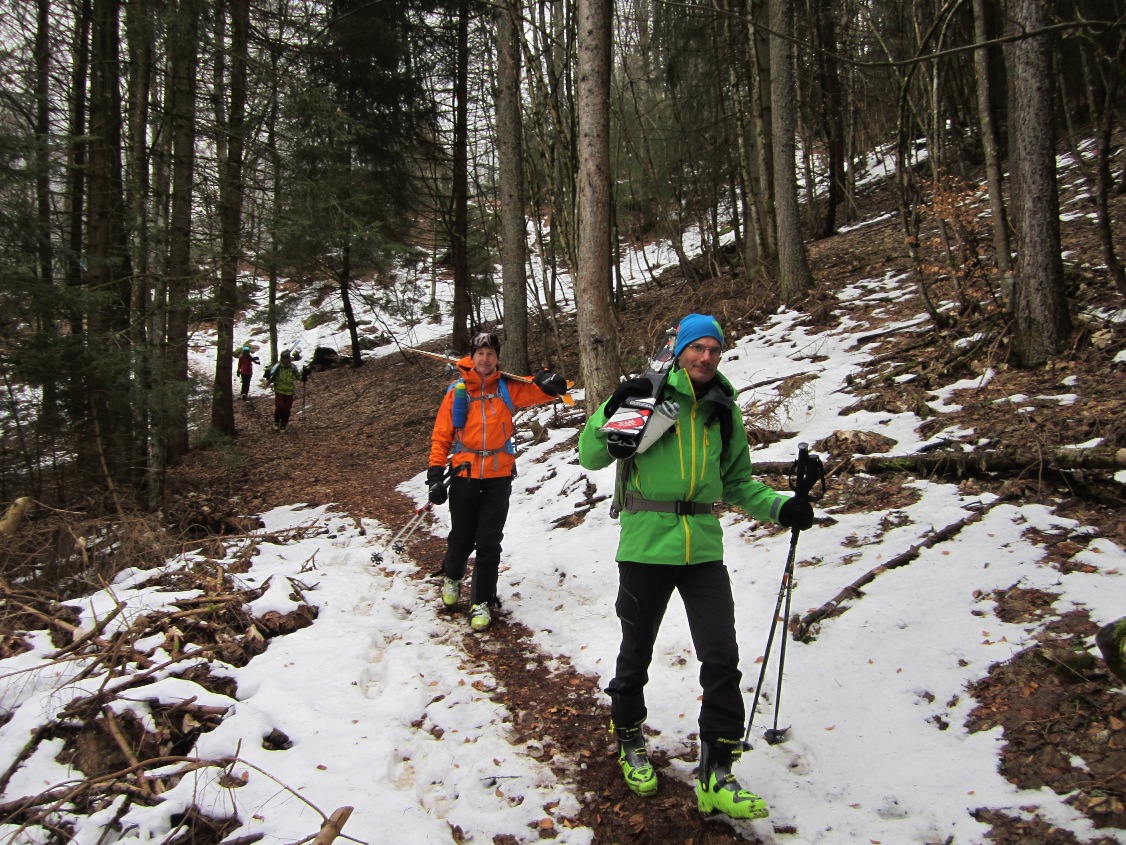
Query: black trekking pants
x=245, y=384
x=644, y=590
x=478, y=512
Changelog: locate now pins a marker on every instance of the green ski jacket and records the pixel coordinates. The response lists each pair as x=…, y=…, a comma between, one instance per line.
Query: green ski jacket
x=685, y=466
x=285, y=378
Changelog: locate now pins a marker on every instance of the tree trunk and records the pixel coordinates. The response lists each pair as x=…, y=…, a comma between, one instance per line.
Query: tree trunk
x=514, y=231
x=1042, y=322
x=833, y=117
x=794, y=277
x=991, y=145
x=230, y=220
x=1103, y=178
x=107, y=369
x=79, y=152
x=459, y=219
x=598, y=338
x=183, y=60
x=761, y=209
x=139, y=35
x=42, y=138
x=345, y=278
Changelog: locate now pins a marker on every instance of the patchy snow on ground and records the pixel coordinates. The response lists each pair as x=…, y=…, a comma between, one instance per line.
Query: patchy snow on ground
x=387, y=715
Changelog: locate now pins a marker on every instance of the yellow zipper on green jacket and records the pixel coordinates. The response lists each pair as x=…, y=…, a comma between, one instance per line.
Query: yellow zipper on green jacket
x=691, y=478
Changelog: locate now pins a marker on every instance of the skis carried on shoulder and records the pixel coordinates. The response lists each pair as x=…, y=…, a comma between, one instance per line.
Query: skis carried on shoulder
x=294, y=355
x=452, y=362
x=641, y=420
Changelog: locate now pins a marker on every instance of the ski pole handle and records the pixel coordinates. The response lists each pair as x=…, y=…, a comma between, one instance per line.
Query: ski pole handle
x=806, y=473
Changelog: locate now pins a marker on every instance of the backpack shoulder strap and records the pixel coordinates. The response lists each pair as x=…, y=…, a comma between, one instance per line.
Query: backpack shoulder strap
x=502, y=383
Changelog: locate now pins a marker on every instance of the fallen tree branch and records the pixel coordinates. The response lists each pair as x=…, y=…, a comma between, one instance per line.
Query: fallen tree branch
x=994, y=461
x=93, y=634
x=332, y=826
x=836, y=605
x=15, y=514
x=961, y=464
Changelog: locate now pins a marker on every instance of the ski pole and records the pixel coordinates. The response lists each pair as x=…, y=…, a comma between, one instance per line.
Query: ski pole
x=398, y=543
x=805, y=473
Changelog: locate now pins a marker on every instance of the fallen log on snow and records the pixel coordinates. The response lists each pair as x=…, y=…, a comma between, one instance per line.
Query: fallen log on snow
x=836, y=606
x=961, y=464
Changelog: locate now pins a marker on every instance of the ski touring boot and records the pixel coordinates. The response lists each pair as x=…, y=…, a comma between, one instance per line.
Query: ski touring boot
x=451, y=591
x=634, y=760
x=479, y=617
x=717, y=790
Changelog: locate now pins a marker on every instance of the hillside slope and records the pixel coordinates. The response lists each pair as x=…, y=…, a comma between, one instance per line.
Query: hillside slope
x=360, y=434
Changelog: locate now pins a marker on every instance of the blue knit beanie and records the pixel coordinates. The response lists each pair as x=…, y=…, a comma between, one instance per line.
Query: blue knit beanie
x=695, y=326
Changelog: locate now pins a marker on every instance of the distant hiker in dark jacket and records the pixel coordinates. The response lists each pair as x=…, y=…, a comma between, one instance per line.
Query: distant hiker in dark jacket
x=246, y=363
x=284, y=377
x=672, y=540
x=474, y=422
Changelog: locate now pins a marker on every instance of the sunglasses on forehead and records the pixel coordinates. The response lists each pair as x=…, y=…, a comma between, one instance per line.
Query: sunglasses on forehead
x=485, y=339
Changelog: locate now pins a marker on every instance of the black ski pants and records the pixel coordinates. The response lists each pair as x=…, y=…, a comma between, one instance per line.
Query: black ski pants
x=478, y=512
x=644, y=590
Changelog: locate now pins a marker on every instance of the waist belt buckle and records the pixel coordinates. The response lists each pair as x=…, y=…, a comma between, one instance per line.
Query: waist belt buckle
x=685, y=508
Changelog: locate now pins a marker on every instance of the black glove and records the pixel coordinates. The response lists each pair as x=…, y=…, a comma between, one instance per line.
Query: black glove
x=435, y=480
x=796, y=513
x=305, y=373
x=629, y=387
x=550, y=383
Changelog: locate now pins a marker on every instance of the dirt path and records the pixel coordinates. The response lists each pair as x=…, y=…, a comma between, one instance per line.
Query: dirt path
x=354, y=436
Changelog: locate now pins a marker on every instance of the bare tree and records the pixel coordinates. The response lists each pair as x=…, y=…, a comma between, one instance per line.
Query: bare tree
x=230, y=218
x=1039, y=306
x=183, y=59
x=598, y=337
x=986, y=108
x=514, y=233
x=794, y=277
x=459, y=219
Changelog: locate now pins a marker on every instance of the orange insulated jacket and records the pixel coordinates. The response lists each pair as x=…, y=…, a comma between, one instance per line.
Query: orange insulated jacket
x=482, y=448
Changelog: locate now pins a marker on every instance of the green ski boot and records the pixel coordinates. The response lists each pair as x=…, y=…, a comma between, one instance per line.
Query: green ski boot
x=634, y=759
x=480, y=617
x=717, y=790
x=451, y=591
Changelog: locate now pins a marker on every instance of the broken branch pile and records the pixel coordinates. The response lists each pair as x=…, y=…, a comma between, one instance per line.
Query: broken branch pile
x=130, y=684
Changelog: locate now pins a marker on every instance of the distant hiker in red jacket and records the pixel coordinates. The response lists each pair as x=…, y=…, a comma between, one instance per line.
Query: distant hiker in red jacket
x=246, y=363
x=474, y=422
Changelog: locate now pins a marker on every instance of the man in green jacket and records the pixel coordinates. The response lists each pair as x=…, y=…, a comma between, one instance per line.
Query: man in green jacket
x=672, y=540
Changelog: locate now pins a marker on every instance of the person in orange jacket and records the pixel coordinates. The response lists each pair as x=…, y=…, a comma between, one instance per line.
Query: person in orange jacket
x=473, y=433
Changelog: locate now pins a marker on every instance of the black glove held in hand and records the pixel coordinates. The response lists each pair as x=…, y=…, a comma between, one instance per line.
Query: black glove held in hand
x=437, y=484
x=629, y=387
x=550, y=383
x=796, y=514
